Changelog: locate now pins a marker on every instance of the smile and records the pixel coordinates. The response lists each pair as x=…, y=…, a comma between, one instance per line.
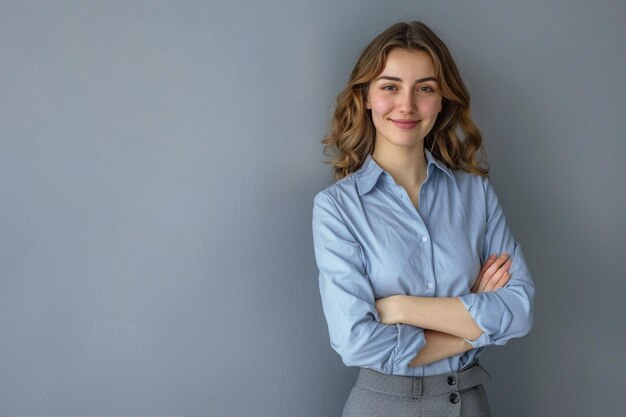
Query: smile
x=405, y=124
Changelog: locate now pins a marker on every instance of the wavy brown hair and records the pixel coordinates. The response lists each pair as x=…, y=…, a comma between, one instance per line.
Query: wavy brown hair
x=351, y=132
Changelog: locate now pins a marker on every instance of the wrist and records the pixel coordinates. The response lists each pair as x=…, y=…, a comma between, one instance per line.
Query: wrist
x=402, y=308
x=465, y=344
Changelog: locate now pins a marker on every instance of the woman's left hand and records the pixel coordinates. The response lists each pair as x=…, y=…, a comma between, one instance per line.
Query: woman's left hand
x=390, y=309
x=494, y=274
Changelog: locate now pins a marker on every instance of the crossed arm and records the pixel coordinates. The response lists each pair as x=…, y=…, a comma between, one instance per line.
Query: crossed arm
x=447, y=323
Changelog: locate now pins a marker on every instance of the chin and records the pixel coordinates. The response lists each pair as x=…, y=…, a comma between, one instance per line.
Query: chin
x=409, y=143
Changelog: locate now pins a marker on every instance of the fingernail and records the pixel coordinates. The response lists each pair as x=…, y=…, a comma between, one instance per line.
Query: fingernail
x=492, y=256
x=504, y=254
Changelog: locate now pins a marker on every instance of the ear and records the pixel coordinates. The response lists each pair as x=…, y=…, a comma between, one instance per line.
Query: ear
x=440, y=105
x=367, y=103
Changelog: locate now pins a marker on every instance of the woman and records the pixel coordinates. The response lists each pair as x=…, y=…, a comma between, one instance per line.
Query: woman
x=403, y=238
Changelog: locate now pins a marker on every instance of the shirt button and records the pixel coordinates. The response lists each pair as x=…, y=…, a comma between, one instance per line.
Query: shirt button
x=430, y=285
x=424, y=239
x=454, y=398
x=451, y=380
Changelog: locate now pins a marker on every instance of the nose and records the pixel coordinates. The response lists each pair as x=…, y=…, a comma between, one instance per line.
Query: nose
x=407, y=102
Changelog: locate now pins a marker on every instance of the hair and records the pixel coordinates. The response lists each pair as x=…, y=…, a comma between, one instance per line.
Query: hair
x=351, y=133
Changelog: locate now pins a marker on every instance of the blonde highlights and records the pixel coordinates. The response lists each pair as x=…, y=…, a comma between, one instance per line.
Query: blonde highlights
x=351, y=134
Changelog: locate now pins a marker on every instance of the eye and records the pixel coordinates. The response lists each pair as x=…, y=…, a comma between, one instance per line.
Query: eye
x=426, y=89
x=389, y=87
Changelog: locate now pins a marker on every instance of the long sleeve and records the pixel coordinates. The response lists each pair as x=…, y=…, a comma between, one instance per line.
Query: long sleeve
x=508, y=312
x=348, y=299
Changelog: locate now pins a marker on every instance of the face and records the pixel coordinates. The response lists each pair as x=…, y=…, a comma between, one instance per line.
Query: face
x=404, y=99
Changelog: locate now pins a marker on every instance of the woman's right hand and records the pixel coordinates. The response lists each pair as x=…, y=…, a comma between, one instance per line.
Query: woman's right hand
x=494, y=274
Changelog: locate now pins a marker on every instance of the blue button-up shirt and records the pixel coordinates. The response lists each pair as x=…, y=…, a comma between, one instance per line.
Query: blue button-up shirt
x=370, y=242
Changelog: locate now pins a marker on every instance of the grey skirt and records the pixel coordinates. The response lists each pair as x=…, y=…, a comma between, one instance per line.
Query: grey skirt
x=452, y=394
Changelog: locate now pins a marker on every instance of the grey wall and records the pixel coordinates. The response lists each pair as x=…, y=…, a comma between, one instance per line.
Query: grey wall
x=158, y=162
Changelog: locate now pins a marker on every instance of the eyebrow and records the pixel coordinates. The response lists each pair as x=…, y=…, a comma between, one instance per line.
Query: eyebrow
x=421, y=80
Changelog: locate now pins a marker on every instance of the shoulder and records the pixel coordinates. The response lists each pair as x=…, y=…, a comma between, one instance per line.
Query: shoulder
x=470, y=190
x=338, y=193
x=467, y=180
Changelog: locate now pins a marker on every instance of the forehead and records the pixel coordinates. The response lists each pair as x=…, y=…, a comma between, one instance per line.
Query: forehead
x=411, y=63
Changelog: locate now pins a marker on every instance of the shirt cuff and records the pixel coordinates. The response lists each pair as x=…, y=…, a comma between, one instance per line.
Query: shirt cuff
x=490, y=314
x=483, y=340
x=411, y=340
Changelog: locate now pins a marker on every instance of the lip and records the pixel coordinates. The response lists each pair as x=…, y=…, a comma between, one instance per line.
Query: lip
x=405, y=124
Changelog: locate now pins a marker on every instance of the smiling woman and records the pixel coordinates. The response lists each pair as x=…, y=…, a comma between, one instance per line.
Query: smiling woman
x=406, y=239
x=404, y=100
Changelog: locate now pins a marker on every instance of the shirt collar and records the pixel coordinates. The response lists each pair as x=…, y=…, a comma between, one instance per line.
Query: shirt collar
x=367, y=175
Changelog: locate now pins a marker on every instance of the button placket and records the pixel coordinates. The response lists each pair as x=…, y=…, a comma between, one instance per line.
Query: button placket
x=430, y=285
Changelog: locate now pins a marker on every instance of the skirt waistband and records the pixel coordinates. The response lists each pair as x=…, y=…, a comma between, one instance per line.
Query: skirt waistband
x=419, y=387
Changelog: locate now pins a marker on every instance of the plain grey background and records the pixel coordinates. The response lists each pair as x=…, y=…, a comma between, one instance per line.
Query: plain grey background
x=158, y=161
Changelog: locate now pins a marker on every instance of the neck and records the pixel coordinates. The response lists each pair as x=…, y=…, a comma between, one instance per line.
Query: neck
x=406, y=165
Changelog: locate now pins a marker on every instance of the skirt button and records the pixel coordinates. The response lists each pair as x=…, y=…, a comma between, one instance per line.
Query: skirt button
x=455, y=398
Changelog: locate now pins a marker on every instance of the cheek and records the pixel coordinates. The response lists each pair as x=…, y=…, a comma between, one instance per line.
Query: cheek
x=430, y=106
x=381, y=105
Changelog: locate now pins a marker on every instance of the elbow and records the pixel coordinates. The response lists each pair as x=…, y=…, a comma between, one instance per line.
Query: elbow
x=359, y=350
x=527, y=316
x=350, y=356
x=523, y=312
x=518, y=318
x=360, y=355
x=527, y=323
x=522, y=321
x=519, y=326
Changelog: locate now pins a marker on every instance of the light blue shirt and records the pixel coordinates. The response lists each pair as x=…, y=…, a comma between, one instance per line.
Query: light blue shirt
x=370, y=242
